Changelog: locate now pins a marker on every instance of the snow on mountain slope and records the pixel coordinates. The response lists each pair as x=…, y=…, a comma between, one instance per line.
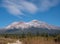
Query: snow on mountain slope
x=18, y=25
x=34, y=23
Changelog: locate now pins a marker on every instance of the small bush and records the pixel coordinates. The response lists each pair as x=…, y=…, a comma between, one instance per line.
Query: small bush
x=57, y=39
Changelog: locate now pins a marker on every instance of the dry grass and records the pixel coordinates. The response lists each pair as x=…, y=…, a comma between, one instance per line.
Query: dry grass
x=6, y=40
x=39, y=40
x=30, y=40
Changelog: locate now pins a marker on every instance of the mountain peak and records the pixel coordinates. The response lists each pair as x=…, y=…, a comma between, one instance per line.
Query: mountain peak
x=34, y=23
x=34, y=20
x=37, y=21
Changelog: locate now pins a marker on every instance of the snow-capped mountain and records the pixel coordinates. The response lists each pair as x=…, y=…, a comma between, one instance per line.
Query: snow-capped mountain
x=33, y=26
x=18, y=25
x=33, y=23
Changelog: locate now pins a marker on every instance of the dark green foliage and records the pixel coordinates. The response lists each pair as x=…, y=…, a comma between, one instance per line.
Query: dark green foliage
x=37, y=34
x=57, y=39
x=23, y=35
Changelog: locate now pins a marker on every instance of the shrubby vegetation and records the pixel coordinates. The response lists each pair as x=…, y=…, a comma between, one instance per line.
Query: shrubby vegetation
x=23, y=35
x=26, y=38
x=56, y=37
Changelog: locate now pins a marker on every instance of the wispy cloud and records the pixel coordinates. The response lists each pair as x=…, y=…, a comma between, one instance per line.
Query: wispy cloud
x=20, y=7
x=30, y=7
x=47, y=4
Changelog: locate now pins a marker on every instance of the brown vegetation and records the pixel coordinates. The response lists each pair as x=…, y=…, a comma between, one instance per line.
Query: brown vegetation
x=31, y=39
x=6, y=40
x=39, y=40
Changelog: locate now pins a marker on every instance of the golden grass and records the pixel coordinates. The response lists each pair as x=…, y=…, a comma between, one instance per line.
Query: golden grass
x=39, y=40
x=30, y=40
x=6, y=40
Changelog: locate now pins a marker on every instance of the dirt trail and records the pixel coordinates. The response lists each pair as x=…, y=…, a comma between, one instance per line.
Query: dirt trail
x=17, y=42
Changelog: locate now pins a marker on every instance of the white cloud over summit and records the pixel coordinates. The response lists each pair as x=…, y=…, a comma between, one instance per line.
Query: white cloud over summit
x=20, y=7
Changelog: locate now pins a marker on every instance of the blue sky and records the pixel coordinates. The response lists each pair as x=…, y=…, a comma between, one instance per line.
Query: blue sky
x=27, y=10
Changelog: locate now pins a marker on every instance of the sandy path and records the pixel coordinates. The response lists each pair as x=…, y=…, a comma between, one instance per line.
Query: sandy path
x=17, y=42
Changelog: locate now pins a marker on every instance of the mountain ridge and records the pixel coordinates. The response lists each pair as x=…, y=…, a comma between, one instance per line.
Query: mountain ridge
x=33, y=27
x=34, y=23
